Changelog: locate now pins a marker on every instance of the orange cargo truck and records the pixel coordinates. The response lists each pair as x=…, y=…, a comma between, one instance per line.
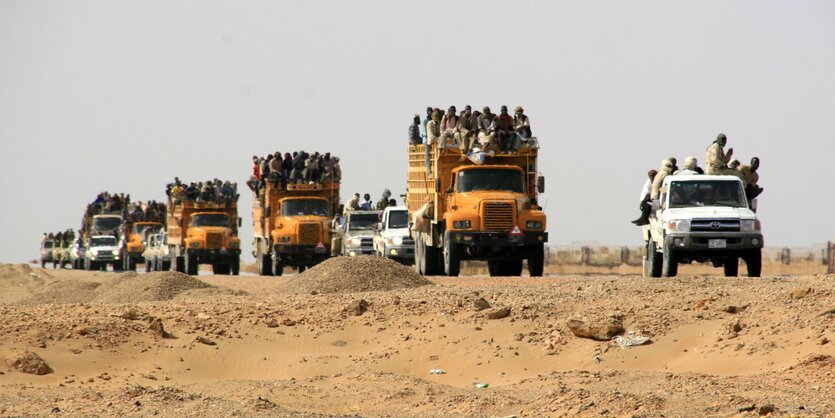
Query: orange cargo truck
x=204, y=233
x=292, y=225
x=466, y=211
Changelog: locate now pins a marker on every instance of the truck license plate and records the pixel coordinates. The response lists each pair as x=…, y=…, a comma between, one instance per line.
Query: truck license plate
x=717, y=243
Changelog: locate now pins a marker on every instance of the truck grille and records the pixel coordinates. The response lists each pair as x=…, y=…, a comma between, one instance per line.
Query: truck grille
x=497, y=216
x=714, y=225
x=309, y=233
x=214, y=240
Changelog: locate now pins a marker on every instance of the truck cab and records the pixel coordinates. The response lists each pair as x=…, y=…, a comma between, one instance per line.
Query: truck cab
x=136, y=241
x=392, y=239
x=211, y=237
x=358, y=232
x=302, y=232
x=46, y=251
x=702, y=218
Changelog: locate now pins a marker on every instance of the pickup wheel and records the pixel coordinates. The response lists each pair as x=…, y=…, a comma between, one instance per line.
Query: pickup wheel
x=731, y=266
x=653, y=260
x=179, y=264
x=669, y=263
x=536, y=261
x=302, y=268
x=191, y=265
x=754, y=261
x=493, y=268
x=452, y=256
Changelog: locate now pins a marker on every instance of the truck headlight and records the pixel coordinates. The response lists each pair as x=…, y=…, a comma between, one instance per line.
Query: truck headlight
x=397, y=240
x=678, y=226
x=194, y=244
x=461, y=224
x=234, y=244
x=533, y=225
x=356, y=241
x=284, y=239
x=115, y=252
x=749, y=225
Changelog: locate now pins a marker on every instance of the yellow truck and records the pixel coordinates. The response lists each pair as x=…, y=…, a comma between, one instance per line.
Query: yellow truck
x=461, y=210
x=137, y=233
x=204, y=233
x=292, y=225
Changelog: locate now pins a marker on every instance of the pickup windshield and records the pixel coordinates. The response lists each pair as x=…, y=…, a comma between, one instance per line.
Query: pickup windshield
x=210, y=219
x=490, y=179
x=140, y=229
x=398, y=219
x=103, y=242
x=360, y=221
x=107, y=223
x=304, y=207
x=685, y=194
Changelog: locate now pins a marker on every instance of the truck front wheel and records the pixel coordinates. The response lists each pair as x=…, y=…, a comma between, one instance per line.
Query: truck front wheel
x=265, y=262
x=653, y=260
x=510, y=267
x=191, y=265
x=754, y=261
x=536, y=261
x=277, y=268
x=235, y=266
x=731, y=267
x=669, y=263
x=452, y=256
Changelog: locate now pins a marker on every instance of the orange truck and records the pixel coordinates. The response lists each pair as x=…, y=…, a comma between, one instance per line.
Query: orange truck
x=204, y=233
x=136, y=239
x=461, y=210
x=292, y=225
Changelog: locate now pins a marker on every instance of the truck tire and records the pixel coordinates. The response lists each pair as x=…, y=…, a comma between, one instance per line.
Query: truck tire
x=164, y=265
x=493, y=268
x=235, y=266
x=452, y=257
x=510, y=267
x=731, y=267
x=302, y=268
x=179, y=264
x=265, y=265
x=653, y=260
x=754, y=262
x=669, y=263
x=217, y=269
x=277, y=267
x=191, y=265
x=536, y=261
x=43, y=263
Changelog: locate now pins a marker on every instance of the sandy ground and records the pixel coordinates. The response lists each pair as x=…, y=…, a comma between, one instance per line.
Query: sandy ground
x=719, y=347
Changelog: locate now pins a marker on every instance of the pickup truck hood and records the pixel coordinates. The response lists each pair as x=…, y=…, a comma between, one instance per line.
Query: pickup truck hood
x=712, y=212
x=396, y=232
x=104, y=248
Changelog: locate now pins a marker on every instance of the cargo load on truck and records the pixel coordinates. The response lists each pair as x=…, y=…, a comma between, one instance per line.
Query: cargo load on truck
x=484, y=208
x=202, y=226
x=292, y=210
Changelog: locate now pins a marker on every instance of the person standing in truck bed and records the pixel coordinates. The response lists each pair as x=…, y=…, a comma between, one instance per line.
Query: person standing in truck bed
x=414, y=131
x=716, y=158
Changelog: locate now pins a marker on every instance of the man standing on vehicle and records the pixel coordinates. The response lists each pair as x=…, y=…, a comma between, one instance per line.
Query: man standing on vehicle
x=716, y=159
x=384, y=201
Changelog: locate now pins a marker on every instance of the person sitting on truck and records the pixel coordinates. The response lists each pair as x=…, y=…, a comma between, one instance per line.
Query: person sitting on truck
x=504, y=129
x=366, y=202
x=433, y=128
x=299, y=159
x=674, y=162
x=353, y=204
x=716, y=158
x=192, y=192
x=449, y=126
x=414, y=131
x=311, y=172
x=690, y=166
x=227, y=191
x=255, y=176
x=486, y=127
x=522, y=126
x=750, y=178
x=286, y=165
x=275, y=168
x=466, y=132
x=384, y=201
x=665, y=170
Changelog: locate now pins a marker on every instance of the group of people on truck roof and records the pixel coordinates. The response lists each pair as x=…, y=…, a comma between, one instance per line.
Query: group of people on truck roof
x=106, y=202
x=60, y=238
x=365, y=204
x=473, y=129
x=150, y=211
x=297, y=168
x=210, y=191
x=719, y=162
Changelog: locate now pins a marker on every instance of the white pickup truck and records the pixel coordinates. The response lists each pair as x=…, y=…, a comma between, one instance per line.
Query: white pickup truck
x=391, y=238
x=702, y=218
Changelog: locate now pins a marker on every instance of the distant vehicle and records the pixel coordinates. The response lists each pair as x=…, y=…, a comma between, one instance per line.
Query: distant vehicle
x=204, y=233
x=392, y=239
x=157, y=255
x=46, y=251
x=102, y=250
x=77, y=254
x=702, y=218
x=135, y=244
x=358, y=232
x=106, y=224
x=60, y=254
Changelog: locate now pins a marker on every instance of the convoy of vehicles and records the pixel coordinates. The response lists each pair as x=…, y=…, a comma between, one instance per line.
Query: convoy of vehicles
x=204, y=233
x=703, y=219
x=392, y=239
x=292, y=225
x=467, y=211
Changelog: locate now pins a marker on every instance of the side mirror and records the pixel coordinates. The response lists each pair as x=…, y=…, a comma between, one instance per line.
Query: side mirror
x=656, y=204
x=540, y=184
x=379, y=226
x=437, y=185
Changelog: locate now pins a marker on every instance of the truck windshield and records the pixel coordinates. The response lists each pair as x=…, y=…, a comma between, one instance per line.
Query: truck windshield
x=103, y=242
x=358, y=221
x=210, y=219
x=398, y=219
x=685, y=194
x=304, y=207
x=490, y=179
x=106, y=223
x=140, y=229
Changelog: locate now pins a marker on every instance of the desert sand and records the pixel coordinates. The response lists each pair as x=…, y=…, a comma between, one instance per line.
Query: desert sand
x=361, y=340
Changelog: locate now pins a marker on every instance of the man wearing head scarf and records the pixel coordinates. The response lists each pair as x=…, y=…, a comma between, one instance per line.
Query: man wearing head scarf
x=466, y=132
x=689, y=167
x=665, y=170
x=449, y=126
x=750, y=178
x=433, y=128
x=646, y=205
x=486, y=128
x=414, y=131
x=716, y=159
x=384, y=201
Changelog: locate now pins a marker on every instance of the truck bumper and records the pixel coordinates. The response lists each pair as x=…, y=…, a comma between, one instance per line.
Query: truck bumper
x=714, y=244
x=498, y=239
x=301, y=254
x=401, y=253
x=355, y=251
x=205, y=255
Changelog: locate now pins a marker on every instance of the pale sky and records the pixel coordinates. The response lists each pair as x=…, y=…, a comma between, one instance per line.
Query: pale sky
x=124, y=95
